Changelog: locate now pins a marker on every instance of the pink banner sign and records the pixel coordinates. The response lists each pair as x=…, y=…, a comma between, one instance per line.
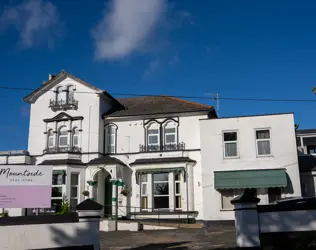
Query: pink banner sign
x=25, y=186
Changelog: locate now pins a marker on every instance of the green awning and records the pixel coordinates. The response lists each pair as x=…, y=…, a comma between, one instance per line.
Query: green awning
x=263, y=178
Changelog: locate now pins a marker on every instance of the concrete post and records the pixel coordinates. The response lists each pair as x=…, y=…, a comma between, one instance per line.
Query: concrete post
x=89, y=213
x=246, y=220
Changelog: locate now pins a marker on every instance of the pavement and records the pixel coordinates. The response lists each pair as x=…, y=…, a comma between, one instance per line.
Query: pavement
x=219, y=238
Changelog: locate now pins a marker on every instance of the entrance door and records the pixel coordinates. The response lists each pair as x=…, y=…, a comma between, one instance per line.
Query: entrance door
x=107, y=197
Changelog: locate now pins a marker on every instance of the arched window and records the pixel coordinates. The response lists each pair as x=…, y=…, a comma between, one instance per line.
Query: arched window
x=50, y=139
x=110, y=139
x=153, y=137
x=60, y=96
x=75, y=137
x=63, y=140
x=70, y=94
x=170, y=135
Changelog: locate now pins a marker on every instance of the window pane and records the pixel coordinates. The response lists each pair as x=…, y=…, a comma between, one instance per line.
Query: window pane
x=153, y=139
x=170, y=138
x=74, y=192
x=264, y=147
x=161, y=202
x=56, y=205
x=170, y=130
x=110, y=149
x=63, y=141
x=76, y=141
x=161, y=188
x=63, y=132
x=230, y=149
x=57, y=192
x=177, y=176
x=144, y=178
x=153, y=131
x=58, y=179
x=230, y=136
x=74, y=179
x=144, y=189
x=50, y=141
x=178, y=201
x=177, y=188
x=263, y=134
x=227, y=195
x=144, y=203
x=161, y=177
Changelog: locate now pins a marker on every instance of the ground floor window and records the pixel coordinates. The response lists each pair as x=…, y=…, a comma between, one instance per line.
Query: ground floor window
x=227, y=195
x=161, y=190
x=58, y=190
x=274, y=194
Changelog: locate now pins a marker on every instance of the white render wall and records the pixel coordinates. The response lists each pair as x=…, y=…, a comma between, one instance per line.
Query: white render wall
x=89, y=108
x=283, y=148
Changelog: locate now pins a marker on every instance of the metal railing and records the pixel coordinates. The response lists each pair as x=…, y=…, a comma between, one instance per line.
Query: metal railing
x=165, y=147
x=62, y=150
x=70, y=103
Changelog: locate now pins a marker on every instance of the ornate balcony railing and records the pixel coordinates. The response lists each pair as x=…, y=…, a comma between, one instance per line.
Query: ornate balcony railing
x=166, y=147
x=62, y=150
x=63, y=104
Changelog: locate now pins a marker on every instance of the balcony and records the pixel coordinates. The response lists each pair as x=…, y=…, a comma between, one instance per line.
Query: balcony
x=55, y=150
x=56, y=105
x=166, y=147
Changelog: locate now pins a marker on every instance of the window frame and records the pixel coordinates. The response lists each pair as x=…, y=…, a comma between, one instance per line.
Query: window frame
x=153, y=146
x=61, y=95
x=257, y=140
x=66, y=136
x=226, y=142
x=62, y=186
x=51, y=134
x=177, y=195
x=74, y=134
x=70, y=96
x=163, y=195
x=144, y=195
x=107, y=128
x=76, y=186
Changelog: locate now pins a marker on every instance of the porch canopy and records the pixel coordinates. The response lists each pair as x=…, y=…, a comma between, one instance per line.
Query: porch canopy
x=261, y=178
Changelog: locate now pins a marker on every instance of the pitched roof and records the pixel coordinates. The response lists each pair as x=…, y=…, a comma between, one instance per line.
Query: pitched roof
x=147, y=105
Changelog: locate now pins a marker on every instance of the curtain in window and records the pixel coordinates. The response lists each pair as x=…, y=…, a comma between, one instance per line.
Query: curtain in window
x=230, y=149
x=264, y=147
x=264, y=134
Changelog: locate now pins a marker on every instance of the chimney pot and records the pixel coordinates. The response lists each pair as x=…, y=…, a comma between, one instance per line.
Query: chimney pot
x=50, y=77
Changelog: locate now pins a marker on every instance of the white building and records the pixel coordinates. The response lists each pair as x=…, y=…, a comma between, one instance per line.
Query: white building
x=147, y=146
x=247, y=152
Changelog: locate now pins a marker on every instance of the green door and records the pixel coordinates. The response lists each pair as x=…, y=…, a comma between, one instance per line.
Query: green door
x=107, y=197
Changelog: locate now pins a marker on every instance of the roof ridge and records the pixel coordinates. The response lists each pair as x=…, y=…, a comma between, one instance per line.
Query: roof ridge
x=189, y=102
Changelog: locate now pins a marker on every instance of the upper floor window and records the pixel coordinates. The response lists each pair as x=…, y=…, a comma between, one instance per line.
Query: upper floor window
x=60, y=95
x=63, y=137
x=75, y=137
x=70, y=94
x=110, y=139
x=153, y=136
x=64, y=99
x=263, y=142
x=230, y=144
x=50, y=139
x=170, y=135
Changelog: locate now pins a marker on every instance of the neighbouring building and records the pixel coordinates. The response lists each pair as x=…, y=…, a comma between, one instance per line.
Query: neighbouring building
x=139, y=157
x=256, y=152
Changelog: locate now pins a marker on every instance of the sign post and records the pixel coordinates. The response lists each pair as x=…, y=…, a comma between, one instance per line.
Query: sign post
x=25, y=186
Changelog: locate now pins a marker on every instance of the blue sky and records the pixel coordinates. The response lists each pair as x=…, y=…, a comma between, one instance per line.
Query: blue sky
x=243, y=49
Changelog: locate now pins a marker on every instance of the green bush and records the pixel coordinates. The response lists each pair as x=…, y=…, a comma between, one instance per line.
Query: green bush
x=64, y=207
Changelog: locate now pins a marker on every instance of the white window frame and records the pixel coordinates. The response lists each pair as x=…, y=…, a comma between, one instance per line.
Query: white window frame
x=170, y=125
x=258, y=140
x=228, y=142
x=70, y=93
x=177, y=195
x=50, y=136
x=61, y=95
x=144, y=194
x=163, y=195
x=74, y=134
x=153, y=146
x=59, y=136
x=63, y=189
x=77, y=186
x=112, y=134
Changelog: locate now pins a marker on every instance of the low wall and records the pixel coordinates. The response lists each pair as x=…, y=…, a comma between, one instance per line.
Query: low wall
x=49, y=232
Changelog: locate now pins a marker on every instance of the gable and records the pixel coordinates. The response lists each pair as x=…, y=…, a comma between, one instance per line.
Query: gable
x=63, y=117
x=32, y=97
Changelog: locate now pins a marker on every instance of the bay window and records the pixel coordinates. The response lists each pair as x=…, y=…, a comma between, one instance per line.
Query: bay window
x=161, y=190
x=144, y=191
x=75, y=137
x=177, y=189
x=74, y=190
x=50, y=139
x=58, y=189
x=63, y=137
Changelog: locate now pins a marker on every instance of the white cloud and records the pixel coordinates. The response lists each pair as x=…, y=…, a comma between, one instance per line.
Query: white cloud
x=153, y=66
x=126, y=27
x=35, y=20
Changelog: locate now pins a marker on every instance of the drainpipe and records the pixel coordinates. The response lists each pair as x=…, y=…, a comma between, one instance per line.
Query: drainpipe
x=89, y=132
x=187, y=184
